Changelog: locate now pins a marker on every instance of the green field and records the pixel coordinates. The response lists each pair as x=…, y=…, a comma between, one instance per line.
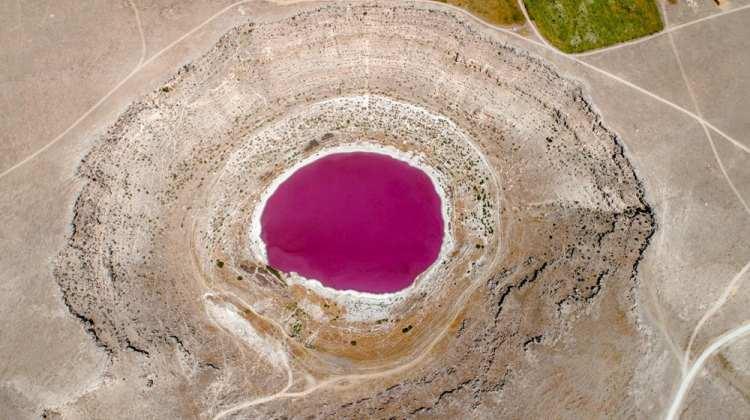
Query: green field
x=581, y=25
x=499, y=12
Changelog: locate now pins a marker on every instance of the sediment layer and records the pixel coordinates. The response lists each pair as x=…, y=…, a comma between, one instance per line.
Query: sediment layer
x=530, y=309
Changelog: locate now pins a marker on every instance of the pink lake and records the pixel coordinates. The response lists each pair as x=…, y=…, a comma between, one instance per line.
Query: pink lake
x=354, y=221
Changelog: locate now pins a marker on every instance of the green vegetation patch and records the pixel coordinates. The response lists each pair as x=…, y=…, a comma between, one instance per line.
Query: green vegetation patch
x=581, y=25
x=498, y=12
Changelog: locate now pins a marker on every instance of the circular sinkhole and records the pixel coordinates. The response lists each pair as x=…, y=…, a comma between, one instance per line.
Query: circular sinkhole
x=360, y=221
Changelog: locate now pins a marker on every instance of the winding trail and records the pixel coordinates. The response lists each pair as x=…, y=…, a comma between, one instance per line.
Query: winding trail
x=136, y=69
x=530, y=22
x=697, y=367
x=729, y=292
x=142, y=35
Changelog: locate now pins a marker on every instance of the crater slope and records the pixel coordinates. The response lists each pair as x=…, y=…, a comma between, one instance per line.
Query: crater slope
x=530, y=309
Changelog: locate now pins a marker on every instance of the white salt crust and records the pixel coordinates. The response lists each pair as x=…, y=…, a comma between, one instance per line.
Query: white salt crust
x=414, y=160
x=363, y=306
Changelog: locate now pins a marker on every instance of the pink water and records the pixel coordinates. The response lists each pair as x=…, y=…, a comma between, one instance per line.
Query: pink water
x=354, y=221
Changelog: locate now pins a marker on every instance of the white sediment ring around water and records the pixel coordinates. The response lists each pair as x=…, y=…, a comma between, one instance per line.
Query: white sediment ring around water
x=258, y=246
x=160, y=255
x=459, y=171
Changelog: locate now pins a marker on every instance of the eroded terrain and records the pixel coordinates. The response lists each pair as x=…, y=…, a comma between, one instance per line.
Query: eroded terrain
x=548, y=301
x=547, y=218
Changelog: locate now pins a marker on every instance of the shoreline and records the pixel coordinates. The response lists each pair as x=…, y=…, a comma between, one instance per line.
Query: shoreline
x=258, y=246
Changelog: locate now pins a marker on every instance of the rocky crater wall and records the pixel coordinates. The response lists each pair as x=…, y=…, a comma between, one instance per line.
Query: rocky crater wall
x=529, y=310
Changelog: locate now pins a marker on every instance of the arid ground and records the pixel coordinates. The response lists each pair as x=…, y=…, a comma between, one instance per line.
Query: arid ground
x=597, y=261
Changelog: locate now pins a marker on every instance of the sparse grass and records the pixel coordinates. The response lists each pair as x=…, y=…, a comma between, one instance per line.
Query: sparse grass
x=581, y=25
x=498, y=12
